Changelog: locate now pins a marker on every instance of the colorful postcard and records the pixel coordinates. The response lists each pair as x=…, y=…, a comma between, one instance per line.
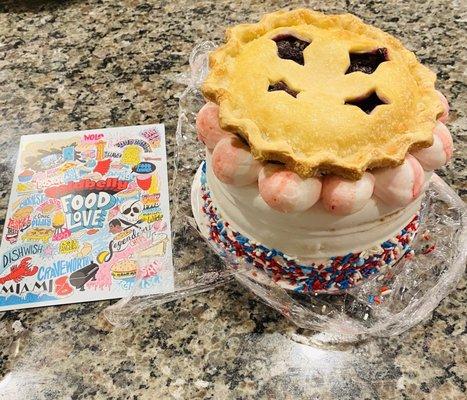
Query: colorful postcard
x=88, y=218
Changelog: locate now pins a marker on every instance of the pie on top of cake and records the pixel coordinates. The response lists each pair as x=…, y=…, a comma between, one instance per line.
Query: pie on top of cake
x=274, y=101
x=324, y=94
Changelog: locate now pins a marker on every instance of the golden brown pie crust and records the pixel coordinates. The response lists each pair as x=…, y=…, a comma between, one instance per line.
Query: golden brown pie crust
x=316, y=132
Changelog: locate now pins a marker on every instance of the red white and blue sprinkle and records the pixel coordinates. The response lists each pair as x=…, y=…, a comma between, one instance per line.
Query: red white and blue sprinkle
x=335, y=274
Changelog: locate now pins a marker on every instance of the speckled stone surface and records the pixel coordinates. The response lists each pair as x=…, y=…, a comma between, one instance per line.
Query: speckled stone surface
x=70, y=65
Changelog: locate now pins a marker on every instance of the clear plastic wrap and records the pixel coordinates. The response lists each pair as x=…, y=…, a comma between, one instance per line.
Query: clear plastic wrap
x=387, y=303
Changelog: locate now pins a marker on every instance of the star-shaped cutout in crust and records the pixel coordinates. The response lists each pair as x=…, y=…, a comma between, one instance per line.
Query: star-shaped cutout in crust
x=291, y=48
x=367, y=103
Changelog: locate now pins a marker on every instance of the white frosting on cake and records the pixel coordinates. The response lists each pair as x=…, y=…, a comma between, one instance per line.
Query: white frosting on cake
x=312, y=234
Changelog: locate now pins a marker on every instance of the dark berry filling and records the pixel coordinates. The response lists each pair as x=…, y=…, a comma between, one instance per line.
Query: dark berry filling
x=367, y=62
x=366, y=104
x=291, y=48
x=282, y=86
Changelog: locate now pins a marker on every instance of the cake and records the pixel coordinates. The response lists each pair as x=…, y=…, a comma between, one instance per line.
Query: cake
x=321, y=135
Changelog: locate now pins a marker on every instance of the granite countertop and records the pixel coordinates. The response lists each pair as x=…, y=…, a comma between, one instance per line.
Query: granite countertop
x=79, y=64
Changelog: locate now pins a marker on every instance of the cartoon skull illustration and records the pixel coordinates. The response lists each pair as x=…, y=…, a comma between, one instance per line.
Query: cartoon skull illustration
x=130, y=211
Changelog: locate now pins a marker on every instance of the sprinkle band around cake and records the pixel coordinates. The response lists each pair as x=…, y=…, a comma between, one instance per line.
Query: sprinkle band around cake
x=331, y=275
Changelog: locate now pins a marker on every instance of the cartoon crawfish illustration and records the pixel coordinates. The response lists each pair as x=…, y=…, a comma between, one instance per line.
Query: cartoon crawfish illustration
x=20, y=271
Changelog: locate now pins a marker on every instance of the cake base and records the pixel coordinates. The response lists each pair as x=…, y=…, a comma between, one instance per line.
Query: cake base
x=331, y=275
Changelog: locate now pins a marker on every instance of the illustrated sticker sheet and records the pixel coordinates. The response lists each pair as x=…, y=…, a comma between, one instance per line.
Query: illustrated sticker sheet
x=88, y=218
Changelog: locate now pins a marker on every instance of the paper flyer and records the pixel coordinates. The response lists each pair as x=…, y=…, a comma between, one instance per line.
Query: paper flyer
x=85, y=208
